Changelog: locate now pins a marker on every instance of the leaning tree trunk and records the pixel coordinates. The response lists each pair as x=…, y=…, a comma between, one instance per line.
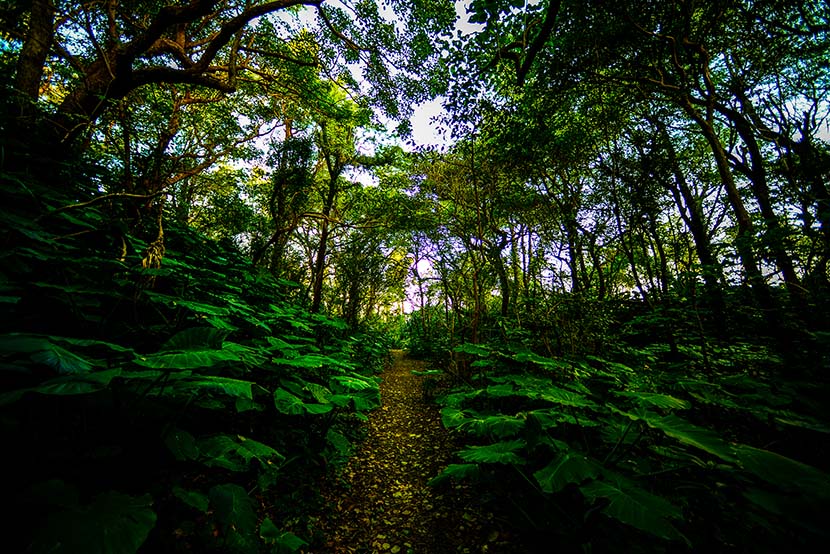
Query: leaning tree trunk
x=757, y=176
x=690, y=210
x=744, y=239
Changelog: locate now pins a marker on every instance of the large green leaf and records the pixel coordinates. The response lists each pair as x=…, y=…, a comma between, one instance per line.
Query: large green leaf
x=456, y=472
x=196, y=338
x=96, y=344
x=547, y=363
x=234, y=510
x=687, y=433
x=339, y=441
x=236, y=453
x=320, y=393
x=704, y=439
x=635, y=506
x=452, y=417
x=181, y=444
x=175, y=301
x=564, y=397
x=504, y=452
x=281, y=542
x=313, y=361
x=190, y=359
x=469, y=348
x=194, y=499
x=499, y=426
x=353, y=382
x=236, y=388
x=78, y=384
x=291, y=404
x=458, y=399
x=365, y=400
x=362, y=392
x=784, y=417
x=501, y=391
x=784, y=472
x=282, y=345
x=61, y=359
x=529, y=384
x=67, y=385
x=114, y=523
x=200, y=307
x=568, y=467
x=658, y=400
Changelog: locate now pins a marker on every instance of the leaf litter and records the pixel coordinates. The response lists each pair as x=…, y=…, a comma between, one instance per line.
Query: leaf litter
x=382, y=502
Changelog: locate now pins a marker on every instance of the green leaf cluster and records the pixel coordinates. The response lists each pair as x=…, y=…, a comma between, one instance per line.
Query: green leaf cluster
x=642, y=453
x=153, y=403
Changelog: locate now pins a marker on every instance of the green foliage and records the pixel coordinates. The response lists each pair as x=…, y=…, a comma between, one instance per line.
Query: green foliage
x=289, y=404
x=785, y=473
x=113, y=522
x=281, y=542
x=566, y=469
x=609, y=435
x=628, y=250
x=193, y=499
x=186, y=386
x=456, y=472
x=692, y=435
x=633, y=506
x=498, y=453
x=235, y=513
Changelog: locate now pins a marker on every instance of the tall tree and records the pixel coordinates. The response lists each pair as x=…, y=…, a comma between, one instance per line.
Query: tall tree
x=92, y=54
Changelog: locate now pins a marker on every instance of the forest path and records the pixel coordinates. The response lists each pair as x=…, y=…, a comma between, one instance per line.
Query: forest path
x=384, y=504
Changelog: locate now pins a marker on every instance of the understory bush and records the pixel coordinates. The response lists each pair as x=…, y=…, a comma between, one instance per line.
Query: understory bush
x=598, y=454
x=160, y=395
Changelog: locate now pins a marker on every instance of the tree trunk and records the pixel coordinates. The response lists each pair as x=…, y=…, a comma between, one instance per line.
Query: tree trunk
x=757, y=176
x=628, y=249
x=811, y=168
x=692, y=213
x=504, y=281
x=35, y=50
x=814, y=166
x=320, y=260
x=744, y=239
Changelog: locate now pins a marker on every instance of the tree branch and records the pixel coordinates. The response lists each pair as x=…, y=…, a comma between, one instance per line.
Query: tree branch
x=230, y=28
x=100, y=199
x=540, y=39
x=330, y=26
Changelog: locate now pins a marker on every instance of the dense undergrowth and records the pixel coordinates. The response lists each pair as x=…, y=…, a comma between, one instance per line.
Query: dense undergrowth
x=644, y=446
x=164, y=397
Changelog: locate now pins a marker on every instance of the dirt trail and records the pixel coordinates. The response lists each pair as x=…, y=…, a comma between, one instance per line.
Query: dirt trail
x=385, y=504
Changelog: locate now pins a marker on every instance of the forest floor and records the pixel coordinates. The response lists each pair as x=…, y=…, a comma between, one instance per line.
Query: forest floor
x=382, y=502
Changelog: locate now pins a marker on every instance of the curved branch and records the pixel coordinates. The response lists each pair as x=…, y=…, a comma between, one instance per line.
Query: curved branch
x=188, y=76
x=112, y=75
x=540, y=39
x=230, y=28
x=330, y=26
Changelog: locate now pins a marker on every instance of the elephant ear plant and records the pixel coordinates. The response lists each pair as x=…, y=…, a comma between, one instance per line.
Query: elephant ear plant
x=184, y=412
x=588, y=448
